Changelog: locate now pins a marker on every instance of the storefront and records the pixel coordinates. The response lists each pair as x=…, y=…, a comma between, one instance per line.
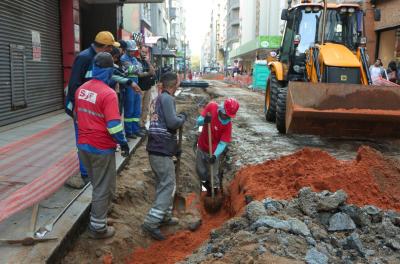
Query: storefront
x=384, y=36
x=31, y=78
x=388, y=48
x=258, y=48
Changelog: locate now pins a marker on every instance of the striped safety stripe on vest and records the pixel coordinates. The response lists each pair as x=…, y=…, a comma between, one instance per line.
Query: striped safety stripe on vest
x=133, y=119
x=90, y=112
x=116, y=129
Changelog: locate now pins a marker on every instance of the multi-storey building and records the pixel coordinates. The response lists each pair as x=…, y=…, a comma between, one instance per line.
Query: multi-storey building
x=232, y=25
x=260, y=30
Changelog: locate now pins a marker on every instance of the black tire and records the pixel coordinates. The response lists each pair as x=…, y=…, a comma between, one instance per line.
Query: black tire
x=272, y=90
x=281, y=111
x=199, y=84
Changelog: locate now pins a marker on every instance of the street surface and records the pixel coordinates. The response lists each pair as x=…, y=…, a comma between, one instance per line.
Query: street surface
x=258, y=140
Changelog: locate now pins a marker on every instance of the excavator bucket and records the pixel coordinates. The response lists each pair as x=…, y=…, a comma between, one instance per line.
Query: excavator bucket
x=343, y=110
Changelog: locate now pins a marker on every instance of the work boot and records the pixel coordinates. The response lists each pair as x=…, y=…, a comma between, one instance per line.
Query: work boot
x=109, y=232
x=153, y=232
x=75, y=182
x=170, y=221
x=140, y=134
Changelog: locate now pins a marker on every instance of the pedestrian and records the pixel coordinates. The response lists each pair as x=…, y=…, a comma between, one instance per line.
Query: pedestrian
x=377, y=71
x=162, y=146
x=132, y=103
x=100, y=128
x=122, y=47
x=80, y=73
x=392, y=72
x=220, y=118
x=146, y=81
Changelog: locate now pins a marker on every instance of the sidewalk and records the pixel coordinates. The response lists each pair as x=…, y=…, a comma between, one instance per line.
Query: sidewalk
x=30, y=151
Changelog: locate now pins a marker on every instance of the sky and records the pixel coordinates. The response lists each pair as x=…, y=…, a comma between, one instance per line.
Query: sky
x=198, y=15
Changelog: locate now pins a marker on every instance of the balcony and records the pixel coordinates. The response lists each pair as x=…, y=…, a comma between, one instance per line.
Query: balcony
x=233, y=4
x=233, y=20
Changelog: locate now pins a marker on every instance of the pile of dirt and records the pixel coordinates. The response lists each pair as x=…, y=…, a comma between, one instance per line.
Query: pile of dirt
x=369, y=179
x=181, y=244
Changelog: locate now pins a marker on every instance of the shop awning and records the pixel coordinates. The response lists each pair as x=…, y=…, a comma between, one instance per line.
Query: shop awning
x=165, y=52
x=259, y=43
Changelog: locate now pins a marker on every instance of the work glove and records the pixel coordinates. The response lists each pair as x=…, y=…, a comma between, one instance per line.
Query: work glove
x=212, y=159
x=207, y=119
x=183, y=115
x=124, y=150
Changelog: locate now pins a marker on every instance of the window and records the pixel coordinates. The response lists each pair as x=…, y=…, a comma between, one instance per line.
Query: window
x=287, y=42
x=307, y=30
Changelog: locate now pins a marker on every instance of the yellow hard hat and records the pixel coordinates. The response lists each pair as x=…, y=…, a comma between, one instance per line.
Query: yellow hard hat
x=106, y=38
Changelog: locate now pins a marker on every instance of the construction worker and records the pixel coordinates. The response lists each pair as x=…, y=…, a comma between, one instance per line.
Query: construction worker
x=220, y=118
x=146, y=81
x=99, y=129
x=82, y=72
x=132, y=104
x=162, y=146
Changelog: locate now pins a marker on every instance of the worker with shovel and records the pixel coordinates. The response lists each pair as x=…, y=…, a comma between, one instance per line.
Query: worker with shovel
x=162, y=146
x=212, y=142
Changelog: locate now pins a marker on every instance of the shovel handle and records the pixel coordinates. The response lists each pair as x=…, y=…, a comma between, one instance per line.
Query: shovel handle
x=211, y=165
x=178, y=159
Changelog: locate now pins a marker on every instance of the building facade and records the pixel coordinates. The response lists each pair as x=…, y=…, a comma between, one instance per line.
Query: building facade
x=38, y=45
x=260, y=30
x=383, y=36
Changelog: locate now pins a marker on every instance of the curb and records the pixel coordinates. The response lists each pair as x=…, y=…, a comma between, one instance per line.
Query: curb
x=79, y=225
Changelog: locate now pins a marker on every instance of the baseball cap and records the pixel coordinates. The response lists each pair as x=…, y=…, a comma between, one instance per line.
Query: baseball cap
x=106, y=38
x=103, y=60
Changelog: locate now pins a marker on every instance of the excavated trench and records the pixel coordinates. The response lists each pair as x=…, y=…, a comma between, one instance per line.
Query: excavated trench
x=254, y=142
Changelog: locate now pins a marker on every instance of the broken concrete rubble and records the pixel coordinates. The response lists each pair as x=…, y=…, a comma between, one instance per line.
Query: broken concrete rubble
x=341, y=222
x=285, y=233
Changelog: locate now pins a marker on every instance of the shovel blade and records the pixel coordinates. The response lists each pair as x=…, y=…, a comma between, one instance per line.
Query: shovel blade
x=213, y=204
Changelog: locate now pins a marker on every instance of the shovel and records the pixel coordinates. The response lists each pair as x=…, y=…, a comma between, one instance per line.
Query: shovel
x=179, y=199
x=212, y=204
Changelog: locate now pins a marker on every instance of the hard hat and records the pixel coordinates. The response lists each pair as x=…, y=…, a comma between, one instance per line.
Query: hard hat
x=231, y=106
x=103, y=60
x=131, y=45
x=122, y=43
x=106, y=38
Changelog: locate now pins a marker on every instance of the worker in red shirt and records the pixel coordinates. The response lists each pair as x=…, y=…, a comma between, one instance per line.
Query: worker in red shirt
x=99, y=131
x=219, y=116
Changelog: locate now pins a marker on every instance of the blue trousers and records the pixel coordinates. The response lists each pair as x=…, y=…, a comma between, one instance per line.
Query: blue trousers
x=82, y=168
x=132, y=111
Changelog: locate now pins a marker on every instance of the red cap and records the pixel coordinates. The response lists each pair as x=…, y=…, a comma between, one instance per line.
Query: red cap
x=231, y=106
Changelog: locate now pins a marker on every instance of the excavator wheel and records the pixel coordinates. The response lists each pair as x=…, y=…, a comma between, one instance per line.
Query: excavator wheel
x=281, y=111
x=271, y=97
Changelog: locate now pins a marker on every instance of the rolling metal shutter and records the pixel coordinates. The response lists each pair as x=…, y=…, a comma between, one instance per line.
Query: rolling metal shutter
x=29, y=86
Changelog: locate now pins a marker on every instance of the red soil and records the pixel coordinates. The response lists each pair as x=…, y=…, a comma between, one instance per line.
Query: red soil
x=181, y=244
x=369, y=179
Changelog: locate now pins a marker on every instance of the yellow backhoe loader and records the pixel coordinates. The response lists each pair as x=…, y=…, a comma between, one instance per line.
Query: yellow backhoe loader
x=320, y=83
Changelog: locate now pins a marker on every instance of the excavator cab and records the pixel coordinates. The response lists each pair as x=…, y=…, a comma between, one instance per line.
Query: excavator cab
x=323, y=58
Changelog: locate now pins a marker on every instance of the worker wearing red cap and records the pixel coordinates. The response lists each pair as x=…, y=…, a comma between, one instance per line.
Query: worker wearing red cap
x=219, y=116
